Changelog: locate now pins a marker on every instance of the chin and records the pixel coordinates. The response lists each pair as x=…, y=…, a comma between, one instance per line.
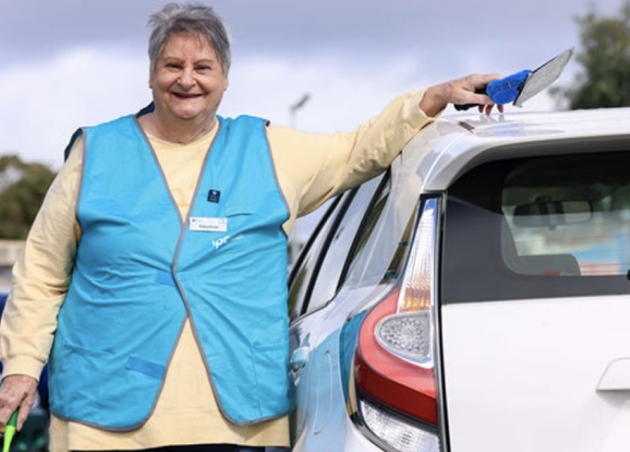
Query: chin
x=188, y=115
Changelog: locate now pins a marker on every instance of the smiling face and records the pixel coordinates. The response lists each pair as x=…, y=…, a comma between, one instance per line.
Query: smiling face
x=187, y=82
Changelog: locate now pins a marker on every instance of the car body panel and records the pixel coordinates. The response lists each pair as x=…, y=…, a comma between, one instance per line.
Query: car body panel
x=522, y=375
x=450, y=146
x=320, y=420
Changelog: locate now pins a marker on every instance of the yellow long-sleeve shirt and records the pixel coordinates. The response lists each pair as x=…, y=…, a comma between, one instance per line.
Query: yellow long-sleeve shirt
x=311, y=168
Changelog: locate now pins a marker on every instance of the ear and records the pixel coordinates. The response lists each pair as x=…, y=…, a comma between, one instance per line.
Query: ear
x=151, y=79
x=226, y=84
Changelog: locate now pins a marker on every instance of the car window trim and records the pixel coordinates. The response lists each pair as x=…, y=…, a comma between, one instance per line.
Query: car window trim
x=311, y=239
x=385, y=178
x=342, y=209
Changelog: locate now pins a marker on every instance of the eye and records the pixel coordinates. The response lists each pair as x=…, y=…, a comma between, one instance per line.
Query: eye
x=203, y=68
x=172, y=66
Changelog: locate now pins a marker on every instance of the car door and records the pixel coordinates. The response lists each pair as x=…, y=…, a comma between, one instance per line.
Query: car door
x=353, y=260
x=314, y=281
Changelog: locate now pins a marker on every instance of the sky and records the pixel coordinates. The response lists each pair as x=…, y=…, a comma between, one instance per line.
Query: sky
x=72, y=63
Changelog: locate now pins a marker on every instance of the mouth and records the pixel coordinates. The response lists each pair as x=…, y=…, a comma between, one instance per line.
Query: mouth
x=186, y=96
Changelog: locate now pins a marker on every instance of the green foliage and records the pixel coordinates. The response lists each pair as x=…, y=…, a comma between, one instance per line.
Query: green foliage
x=23, y=187
x=604, y=80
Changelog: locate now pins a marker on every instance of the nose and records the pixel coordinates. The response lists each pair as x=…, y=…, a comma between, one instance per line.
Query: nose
x=186, y=80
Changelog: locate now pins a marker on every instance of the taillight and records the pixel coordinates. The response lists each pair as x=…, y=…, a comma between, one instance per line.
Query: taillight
x=393, y=364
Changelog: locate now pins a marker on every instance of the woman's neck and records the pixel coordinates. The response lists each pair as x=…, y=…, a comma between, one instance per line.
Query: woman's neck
x=177, y=131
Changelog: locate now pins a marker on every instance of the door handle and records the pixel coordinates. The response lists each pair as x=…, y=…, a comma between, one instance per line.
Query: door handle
x=616, y=377
x=299, y=358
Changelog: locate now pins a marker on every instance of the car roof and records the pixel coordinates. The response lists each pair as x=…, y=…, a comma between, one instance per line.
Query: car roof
x=455, y=143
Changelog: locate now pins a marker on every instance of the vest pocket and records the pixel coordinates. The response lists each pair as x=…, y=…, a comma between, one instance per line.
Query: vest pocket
x=232, y=211
x=143, y=366
x=77, y=374
x=270, y=364
x=72, y=349
x=238, y=216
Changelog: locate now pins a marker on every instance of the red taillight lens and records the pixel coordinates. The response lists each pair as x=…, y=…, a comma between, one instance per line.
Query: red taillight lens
x=393, y=363
x=386, y=377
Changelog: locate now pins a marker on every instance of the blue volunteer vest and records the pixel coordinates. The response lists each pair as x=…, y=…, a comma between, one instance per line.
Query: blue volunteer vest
x=140, y=270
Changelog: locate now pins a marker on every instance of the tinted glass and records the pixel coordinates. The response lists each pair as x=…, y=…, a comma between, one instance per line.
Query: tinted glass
x=548, y=226
x=307, y=264
x=343, y=233
x=368, y=262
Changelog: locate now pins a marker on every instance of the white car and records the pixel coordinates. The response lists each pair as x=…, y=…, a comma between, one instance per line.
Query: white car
x=476, y=297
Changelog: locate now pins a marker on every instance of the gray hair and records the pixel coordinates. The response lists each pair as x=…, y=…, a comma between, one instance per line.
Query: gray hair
x=190, y=19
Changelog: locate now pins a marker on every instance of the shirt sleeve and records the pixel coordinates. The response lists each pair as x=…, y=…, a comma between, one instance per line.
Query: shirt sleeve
x=312, y=168
x=41, y=275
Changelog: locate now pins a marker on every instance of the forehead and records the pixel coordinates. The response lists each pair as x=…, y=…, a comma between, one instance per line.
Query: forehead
x=181, y=45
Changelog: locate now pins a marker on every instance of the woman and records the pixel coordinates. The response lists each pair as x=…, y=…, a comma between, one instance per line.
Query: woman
x=153, y=279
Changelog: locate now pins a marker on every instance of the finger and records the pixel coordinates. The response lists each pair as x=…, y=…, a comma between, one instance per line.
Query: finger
x=16, y=391
x=486, y=108
x=22, y=415
x=482, y=80
x=25, y=409
x=7, y=407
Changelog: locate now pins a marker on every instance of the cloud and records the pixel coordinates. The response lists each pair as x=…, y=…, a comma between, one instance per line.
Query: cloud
x=45, y=102
x=342, y=94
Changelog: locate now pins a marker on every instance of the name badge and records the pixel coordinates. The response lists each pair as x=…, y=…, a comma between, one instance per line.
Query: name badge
x=208, y=224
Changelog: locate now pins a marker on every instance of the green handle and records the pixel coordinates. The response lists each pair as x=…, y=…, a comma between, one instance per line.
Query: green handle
x=9, y=431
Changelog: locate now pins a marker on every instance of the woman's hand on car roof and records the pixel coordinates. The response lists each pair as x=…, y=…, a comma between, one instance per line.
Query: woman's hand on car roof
x=466, y=90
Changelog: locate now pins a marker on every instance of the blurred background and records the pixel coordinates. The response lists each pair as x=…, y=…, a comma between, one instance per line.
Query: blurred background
x=320, y=66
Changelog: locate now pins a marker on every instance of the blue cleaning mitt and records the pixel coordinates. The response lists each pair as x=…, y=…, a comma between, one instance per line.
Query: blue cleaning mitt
x=501, y=91
x=505, y=90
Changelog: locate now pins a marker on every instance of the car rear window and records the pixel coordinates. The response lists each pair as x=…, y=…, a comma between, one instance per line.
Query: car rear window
x=550, y=226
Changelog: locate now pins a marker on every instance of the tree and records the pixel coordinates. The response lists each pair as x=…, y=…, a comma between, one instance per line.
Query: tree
x=604, y=80
x=22, y=190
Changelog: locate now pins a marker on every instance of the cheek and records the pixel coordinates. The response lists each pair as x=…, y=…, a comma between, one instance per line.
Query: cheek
x=162, y=81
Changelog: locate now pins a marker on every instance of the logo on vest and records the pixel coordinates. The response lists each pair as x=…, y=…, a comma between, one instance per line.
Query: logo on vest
x=220, y=242
x=214, y=196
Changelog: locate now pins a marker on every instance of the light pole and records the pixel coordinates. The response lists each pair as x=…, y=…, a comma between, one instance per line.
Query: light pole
x=296, y=106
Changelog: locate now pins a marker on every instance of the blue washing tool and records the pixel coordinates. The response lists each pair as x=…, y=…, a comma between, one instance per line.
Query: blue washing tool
x=523, y=85
x=507, y=89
